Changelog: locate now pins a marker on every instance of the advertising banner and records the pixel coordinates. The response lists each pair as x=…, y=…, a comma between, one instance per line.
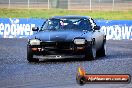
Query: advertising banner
x=116, y=29
x=18, y=27
x=22, y=27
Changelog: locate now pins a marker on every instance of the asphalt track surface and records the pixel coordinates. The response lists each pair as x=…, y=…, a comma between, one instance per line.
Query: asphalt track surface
x=16, y=72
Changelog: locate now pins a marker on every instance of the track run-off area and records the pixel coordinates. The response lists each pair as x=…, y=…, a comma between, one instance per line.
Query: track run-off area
x=17, y=72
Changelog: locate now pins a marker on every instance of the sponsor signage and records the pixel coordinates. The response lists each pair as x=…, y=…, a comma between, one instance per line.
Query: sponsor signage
x=84, y=78
x=22, y=27
x=18, y=27
x=116, y=29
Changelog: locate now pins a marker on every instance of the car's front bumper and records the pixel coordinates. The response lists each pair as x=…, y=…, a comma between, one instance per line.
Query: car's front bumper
x=59, y=50
x=41, y=57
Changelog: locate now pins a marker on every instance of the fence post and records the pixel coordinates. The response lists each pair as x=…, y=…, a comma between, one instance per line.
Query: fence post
x=68, y=4
x=99, y=5
x=28, y=4
x=9, y=4
x=90, y=5
x=113, y=5
x=48, y=4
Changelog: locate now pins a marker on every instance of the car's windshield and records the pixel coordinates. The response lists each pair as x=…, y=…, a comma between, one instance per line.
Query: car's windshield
x=66, y=24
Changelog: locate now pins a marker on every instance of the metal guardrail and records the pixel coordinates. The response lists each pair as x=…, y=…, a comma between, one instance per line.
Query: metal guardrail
x=108, y=5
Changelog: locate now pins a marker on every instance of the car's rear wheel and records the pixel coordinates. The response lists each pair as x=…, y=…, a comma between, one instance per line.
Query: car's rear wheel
x=30, y=55
x=90, y=53
x=102, y=51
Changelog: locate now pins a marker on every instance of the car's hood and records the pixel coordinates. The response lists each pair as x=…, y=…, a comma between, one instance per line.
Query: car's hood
x=64, y=35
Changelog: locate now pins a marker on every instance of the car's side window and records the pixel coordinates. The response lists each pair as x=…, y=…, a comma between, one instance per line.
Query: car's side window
x=85, y=24
x=93, y=24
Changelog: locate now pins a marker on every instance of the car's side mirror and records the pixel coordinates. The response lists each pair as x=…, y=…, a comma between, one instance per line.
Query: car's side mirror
x=96, y=27
x=35, y=28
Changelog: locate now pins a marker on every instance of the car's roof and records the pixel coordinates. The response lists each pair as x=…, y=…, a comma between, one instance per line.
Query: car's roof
x=70, y=17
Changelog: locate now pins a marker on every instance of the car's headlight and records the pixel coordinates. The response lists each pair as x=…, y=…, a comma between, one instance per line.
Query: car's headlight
x=79, y=41
x=34, y=42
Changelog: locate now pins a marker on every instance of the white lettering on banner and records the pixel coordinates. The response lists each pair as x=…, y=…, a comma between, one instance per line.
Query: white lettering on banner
x=14, y=30
x=20, y=29
x=127, y=32
x=117, y=32
x=1, y=28
x=27, y=27
x=110, y=31
x=7, y=30
x=31, y=32
x=130, y=29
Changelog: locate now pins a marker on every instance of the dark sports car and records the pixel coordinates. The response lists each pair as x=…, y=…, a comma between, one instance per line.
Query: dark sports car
x=67, y=37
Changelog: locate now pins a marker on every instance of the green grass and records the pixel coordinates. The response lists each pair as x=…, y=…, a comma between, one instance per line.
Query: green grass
x=43, y=13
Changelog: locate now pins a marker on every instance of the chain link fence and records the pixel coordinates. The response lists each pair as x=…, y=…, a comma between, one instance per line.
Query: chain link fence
x=108, y=5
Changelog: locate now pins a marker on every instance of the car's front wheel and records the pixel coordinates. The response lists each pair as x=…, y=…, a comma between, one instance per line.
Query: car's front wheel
x=30, y=55
x=102, y=51
x=90, y=53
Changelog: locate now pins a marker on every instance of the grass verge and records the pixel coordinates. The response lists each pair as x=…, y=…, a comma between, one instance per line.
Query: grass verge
x=44, y=13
